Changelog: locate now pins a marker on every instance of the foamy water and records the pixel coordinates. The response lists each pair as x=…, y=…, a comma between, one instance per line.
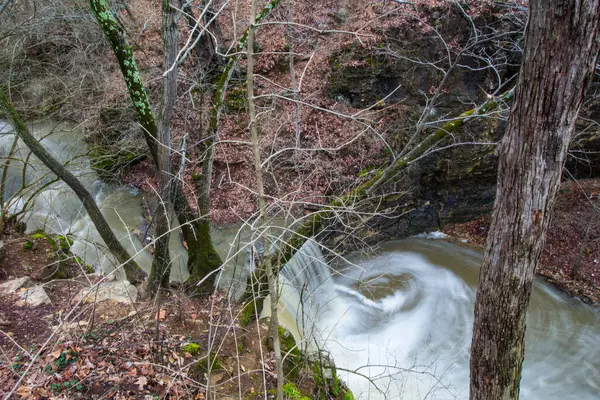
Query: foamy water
x=404, y=318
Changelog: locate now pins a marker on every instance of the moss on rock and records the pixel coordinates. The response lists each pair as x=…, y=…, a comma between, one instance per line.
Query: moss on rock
x=108, y=161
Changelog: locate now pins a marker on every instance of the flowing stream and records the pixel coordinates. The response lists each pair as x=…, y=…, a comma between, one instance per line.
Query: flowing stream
x=58, y=210
x=401, y=320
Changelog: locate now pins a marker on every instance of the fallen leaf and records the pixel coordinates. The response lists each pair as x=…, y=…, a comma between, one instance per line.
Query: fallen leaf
x=141, y=382
x=161, y=315
x=216, y=377
x=24, y=392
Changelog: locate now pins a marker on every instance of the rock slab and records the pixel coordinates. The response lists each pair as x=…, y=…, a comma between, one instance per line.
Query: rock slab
x=13, y=285
x=30, y=294
x=33, y=297
x=119, y=291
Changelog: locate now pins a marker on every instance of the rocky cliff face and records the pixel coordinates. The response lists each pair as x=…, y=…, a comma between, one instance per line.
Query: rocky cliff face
x=460, y=66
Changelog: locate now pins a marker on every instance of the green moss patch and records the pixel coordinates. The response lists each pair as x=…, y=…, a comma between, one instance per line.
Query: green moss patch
x=192, y=348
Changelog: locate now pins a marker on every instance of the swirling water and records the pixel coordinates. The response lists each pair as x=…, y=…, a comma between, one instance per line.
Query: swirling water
x=402, y=320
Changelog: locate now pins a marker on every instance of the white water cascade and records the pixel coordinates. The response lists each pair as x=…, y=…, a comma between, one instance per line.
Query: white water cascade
x=403, y=318
x=57, y=210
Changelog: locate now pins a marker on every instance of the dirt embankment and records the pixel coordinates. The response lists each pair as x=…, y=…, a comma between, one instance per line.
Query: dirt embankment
x=571, y=256
x=126, y=347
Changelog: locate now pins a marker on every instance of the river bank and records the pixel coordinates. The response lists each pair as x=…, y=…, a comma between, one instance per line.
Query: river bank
x=571, y=240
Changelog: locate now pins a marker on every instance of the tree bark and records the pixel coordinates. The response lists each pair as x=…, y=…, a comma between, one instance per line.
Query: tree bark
x=562, y=42
x=3, y=206
x=161, y=265
x=202, y=258
x=132, y=271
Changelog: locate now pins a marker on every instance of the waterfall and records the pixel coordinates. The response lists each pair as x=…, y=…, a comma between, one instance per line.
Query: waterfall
x=306, y=290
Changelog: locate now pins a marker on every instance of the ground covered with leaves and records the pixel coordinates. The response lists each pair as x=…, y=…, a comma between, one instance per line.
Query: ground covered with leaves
x=135, y=351
x=72, y=349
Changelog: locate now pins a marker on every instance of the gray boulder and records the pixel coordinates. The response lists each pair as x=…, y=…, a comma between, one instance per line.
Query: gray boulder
x=12, y=286
x=30, y=294
x=119, y=291
x=33, y=297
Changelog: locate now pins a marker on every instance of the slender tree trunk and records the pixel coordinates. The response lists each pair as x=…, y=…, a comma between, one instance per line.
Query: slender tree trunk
x=271, y=270
x=3, y=211
x=293, y=84
x=204, y=251
x=562, y=42
x=131, y=74
x=203, y=259
x=133, y=272
x=161, y=265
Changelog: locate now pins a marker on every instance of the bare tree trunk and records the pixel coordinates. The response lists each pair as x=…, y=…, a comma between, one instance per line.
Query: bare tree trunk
x=161, y=265
x=271, y=270
x=195, y=232
x=133, y=272
x=293, y=84
x=3, y=207
x=561, y=48
x=204, y=249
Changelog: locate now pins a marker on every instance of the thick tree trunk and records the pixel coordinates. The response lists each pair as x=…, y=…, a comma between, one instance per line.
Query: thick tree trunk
x=161, y=265
x=561, y=47
x=133, y=272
